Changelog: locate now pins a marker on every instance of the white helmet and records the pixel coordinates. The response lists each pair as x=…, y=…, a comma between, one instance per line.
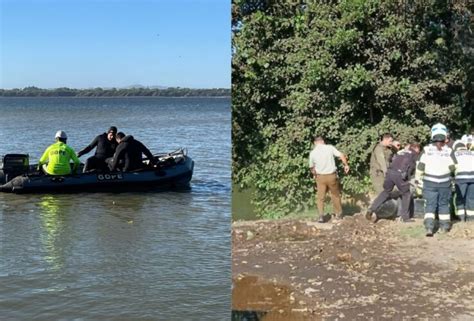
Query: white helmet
x=467, y=139
x=61, y=134
x=439, y=129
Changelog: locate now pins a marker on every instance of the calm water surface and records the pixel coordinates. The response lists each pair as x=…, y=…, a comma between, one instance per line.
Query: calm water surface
x=123, y=256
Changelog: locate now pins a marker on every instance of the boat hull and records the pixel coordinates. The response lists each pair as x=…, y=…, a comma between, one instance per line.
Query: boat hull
x=173, y=176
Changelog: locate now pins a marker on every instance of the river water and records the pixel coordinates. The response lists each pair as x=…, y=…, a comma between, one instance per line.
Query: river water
x=122, y=256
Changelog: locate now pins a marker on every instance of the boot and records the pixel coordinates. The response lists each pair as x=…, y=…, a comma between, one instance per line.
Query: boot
x=429, y=224
x=444, y=227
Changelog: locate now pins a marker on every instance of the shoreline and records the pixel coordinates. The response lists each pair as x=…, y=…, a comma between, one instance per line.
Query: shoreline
x=352, y=270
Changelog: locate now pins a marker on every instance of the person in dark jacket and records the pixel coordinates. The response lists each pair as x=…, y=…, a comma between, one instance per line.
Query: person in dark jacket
x=105, y=145
x=129, y=150
x=398, y=174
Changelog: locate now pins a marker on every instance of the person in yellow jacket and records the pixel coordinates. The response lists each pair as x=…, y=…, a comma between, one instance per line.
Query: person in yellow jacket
x=58, y=156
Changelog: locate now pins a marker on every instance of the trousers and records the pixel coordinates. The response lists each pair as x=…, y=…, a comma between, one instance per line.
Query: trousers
x=465, y=201
x=325, y=182
x=94, y=162
x=437, y=202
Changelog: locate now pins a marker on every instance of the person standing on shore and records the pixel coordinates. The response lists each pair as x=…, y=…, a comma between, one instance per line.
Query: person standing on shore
x=464, y=179
x=434, y=173
x=379, y=162
x=323, y=168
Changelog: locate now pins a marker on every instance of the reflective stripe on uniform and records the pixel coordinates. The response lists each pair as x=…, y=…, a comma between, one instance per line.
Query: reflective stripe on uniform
x=429, y=215
x=470, y=212
x=444, y=217
x=465, y=176
x=436, y=180
x=460, y=212
x=436, y=163
x=438, y=176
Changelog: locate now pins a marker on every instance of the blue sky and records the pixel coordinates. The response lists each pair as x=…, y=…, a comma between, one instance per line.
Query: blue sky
x=115, y=43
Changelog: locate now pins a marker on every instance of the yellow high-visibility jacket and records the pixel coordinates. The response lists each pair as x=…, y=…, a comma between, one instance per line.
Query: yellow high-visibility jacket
x=58, y=157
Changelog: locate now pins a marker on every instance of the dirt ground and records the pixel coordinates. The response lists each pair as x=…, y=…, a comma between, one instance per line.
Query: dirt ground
x=351, y=269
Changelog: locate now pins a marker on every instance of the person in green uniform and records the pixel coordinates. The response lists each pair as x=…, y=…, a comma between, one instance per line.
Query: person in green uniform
x=380, y=161
x=58, y=156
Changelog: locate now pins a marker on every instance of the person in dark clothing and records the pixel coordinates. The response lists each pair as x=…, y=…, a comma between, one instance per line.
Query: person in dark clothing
x=129, y=150
x=398, y=174
x=105, y=145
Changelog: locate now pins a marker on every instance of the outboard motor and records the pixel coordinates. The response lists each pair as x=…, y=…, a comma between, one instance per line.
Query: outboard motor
x=13, y=165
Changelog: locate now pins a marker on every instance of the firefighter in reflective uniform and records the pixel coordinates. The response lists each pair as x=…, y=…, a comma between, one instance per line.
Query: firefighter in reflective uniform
x=435, y=169
x=464, y=179
x=57, y=157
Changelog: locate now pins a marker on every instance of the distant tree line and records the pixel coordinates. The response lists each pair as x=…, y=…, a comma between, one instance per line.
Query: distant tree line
x=115, y=92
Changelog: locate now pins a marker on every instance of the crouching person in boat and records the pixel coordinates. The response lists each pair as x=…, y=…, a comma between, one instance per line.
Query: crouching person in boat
x=56, y=158
x=129, y=151
x=105, y=145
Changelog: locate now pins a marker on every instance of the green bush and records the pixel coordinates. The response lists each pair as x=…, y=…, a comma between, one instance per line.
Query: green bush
x=347, y=70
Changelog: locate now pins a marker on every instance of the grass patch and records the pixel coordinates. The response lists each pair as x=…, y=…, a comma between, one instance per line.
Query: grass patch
x=415, y=231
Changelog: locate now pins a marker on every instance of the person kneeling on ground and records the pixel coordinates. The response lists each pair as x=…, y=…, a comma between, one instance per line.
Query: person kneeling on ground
x=323, y=168
x=57, y=157
x=398, y=174
x=129, y=150
x=105, y=145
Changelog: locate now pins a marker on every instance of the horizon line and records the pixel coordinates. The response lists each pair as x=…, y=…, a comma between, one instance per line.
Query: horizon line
x=107, y=88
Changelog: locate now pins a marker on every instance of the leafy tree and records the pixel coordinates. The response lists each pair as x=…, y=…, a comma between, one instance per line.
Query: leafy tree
x=348, y=70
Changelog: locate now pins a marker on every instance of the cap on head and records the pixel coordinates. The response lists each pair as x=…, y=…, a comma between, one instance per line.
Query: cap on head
x=60, y=134
x=120, y=135
x=439, y=129
x=112, y=129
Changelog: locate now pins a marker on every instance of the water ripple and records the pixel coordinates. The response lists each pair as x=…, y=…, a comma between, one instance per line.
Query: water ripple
x=130, y=256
